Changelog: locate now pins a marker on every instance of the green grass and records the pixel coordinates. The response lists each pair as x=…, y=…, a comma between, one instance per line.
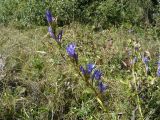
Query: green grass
x=38, y=84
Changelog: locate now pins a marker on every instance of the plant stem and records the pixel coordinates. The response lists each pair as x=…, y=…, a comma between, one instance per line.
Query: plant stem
x=138, y=100
x=98, y=94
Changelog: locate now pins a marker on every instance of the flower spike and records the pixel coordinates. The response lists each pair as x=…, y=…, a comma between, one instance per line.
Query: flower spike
x=49, y=16
x=102, y=87
x=51, y=32
x=59, y=37
x=97, y=75
x=71, y=51
x=88, y=70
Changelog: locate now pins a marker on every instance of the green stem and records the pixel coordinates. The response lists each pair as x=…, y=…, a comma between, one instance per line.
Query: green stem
x=138, y=99
x=98, y=94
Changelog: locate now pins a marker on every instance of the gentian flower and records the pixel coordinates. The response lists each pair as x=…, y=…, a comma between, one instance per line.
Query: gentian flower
x=71, y=51
x=102, y=87
x=83, y=70
x=89, y=69
x=158, y=69
x=136, y=48
x=136, y=45
x=59, y=37
x=51, y=32
x=49, y=16
x=146, y=61
x=97, y=75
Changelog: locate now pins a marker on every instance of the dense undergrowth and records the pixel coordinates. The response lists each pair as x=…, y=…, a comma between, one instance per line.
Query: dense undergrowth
x=37, y=83
x=99, y=13
x=95, y=61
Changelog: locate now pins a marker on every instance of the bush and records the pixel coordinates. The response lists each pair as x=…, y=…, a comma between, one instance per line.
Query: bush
x=22, y=13
x=100, y=13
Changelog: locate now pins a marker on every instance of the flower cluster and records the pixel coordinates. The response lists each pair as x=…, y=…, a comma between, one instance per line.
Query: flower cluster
x=88, y=70
x=146, y=60
x=88, y=73
x=50, y=20
x=58, y=38
x=49, y=16
x=96, y=75
x=71, y=52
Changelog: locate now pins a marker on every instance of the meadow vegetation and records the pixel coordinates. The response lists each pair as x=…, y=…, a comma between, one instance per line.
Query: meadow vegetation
x=42, y=69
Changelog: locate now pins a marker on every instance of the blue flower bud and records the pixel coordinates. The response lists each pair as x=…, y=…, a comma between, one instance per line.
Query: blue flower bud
x=102, y=87
x=49, y=16
x=146, y=62
x=51, y=32
x=71, y=51
x=59, y=37
x=88, y=70
x=90, y=67
x=97, y=75
x=82, y=70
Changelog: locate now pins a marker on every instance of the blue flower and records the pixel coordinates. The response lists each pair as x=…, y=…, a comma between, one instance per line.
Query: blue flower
x=59, y=37
x=51, y=32
x=158, y=69
x=83, y=70
x=97, y=75
x=89, y=69
x=136, y=45
x=146, y=62
x=136, y=48
x=49, y=16
x=102, y=87
x=71, y=51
